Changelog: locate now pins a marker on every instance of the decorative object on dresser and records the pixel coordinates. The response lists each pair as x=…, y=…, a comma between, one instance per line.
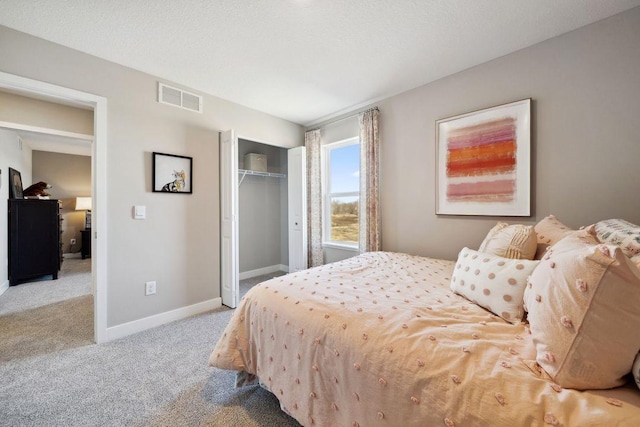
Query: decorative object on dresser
x=37, y=190
x=15, y=184
x=483, y=161
x=172, y=173
x=34, y=239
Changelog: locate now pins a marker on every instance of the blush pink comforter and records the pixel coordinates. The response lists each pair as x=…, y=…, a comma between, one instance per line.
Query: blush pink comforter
x=380, y=340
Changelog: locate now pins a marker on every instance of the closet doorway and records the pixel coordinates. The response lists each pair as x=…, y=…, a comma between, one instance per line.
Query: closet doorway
x=263, y=247
x=262, y=212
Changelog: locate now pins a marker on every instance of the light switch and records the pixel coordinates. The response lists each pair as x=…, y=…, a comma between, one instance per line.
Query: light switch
x=139, y=212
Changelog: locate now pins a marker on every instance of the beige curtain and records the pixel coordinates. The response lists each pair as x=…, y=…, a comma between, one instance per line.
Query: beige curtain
x=314, y=198
x=369, y=190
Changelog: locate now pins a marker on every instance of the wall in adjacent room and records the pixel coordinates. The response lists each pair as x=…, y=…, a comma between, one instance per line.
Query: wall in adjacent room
x=70, y=177
x=16, y=155
x=44, y=114
x=178, y=245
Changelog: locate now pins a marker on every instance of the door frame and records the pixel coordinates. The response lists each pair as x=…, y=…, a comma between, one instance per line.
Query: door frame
x=229, y=210
x=98, y=182
x=226, y=261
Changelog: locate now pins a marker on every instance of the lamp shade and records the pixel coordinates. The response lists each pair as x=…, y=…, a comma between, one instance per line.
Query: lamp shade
x=83, y=203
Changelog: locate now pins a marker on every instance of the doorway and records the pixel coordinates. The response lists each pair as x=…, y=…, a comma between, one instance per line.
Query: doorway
x=59, y=94
x=263, y=246
x=262, y=211
x=45, y=310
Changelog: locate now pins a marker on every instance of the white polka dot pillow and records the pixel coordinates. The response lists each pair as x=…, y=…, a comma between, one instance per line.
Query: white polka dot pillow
x=620, y=233
x=584, y=307
x=510, y=241
x=492, y=282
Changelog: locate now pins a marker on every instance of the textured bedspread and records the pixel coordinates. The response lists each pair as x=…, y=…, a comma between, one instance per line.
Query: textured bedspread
x=380, y=340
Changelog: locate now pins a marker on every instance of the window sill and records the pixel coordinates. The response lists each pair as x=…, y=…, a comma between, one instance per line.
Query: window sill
x=342, y=246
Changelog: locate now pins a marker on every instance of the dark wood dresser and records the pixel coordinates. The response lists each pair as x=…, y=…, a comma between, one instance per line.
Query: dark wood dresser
x=34, y=239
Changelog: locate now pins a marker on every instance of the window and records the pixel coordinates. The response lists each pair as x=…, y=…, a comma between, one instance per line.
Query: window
x=341, y=192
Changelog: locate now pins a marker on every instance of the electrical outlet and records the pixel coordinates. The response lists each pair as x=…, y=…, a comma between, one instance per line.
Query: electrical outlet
x=150, y=288
x=73, y=241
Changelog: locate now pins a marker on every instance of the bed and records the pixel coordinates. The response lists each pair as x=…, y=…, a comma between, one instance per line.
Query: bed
x=381, y=340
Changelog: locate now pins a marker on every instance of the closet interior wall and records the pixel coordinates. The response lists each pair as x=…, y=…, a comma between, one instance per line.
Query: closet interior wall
x=263, y=204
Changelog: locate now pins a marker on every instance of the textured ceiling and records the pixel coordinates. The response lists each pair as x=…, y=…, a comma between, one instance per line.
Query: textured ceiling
x=302, y=60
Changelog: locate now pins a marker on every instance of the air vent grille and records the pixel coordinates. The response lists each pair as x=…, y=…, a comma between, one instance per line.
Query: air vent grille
x=179, y=98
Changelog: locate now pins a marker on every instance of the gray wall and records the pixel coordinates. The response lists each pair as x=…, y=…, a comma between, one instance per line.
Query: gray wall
x=178, y=244
x=585, y=87
x=16, y=155
x=263, y=232
x=36, y=112
x=70, y=176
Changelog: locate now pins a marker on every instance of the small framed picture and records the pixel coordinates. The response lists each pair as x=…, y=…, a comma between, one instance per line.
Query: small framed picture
x=172, y=173
x=15, y=184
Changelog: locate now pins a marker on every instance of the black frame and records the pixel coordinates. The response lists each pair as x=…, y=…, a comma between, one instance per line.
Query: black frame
x=163, y=163
x=15, y=188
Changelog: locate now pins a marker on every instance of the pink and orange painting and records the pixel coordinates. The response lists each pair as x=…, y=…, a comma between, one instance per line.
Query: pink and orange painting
x=483, y=162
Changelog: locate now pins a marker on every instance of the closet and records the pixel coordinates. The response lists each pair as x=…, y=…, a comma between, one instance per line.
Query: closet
x=263, y=246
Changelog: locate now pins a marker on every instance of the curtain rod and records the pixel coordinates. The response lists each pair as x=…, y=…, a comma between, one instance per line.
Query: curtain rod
x=344, y=118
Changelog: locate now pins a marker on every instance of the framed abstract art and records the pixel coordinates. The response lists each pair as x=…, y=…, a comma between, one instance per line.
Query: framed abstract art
x=483, y=162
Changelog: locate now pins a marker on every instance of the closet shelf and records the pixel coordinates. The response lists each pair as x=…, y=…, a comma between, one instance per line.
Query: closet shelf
x=246, y=172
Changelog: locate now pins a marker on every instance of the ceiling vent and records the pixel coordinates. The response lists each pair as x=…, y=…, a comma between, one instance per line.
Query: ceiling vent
x=179, y=98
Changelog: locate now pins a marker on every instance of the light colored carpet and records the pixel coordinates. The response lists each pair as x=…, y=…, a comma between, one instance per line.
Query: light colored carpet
x=159, y=377
x=247, y=284
x=74, y=280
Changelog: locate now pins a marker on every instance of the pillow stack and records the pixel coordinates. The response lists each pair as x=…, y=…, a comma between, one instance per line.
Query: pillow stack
x=582, y=297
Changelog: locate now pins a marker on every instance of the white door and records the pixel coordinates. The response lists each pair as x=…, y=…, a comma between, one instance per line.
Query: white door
x=229, y=286
x=297, y=194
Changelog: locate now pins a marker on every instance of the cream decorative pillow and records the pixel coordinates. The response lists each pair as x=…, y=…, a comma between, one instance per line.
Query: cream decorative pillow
x=620, y=233
x=492, y=282
x=584, y=305
x=549, y=231
x=636, y=260
x=510, y=241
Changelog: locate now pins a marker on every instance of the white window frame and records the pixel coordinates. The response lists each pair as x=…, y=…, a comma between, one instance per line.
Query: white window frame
x=327, y=196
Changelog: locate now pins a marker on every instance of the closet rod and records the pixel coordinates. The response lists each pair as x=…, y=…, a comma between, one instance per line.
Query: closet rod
x=246, y=172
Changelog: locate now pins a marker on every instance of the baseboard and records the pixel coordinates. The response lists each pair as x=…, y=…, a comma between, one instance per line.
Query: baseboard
x=143, y=324
x=72, y=255
x=4, y=287
x=264, y=270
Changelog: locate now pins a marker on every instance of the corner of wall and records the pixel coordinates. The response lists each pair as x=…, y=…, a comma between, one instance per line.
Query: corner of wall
x=4, y=287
